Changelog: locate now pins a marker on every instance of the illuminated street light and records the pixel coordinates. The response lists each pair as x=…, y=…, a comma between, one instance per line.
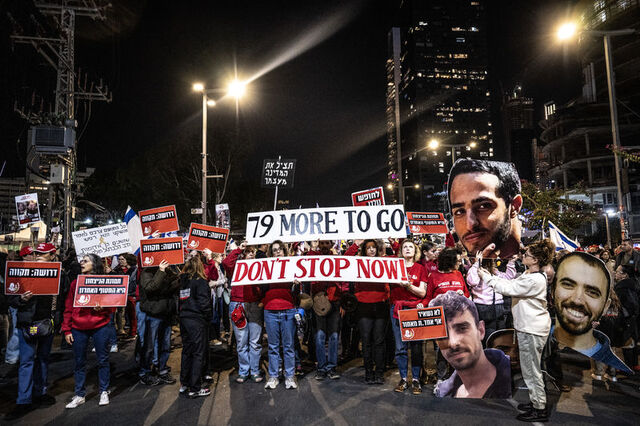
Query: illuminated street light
x=566, y=31
x=416, y=186
x=237, y=89
x=433, y=144
x=211, y=102
x=198, y=87
x=390, y=186
x=473, y=144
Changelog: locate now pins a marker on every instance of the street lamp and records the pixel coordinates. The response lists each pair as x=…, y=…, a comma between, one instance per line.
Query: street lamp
x=567, y=31
x=607, y=213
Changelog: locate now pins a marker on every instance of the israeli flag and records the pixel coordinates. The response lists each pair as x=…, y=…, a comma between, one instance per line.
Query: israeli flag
x=134, y=227
x=561, y=241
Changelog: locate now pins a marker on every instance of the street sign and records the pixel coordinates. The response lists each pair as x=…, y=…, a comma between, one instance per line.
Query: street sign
x=197, y=210
x=278, y=173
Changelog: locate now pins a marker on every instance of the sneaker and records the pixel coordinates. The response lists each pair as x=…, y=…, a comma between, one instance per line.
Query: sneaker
x=299, y=371
x=104, y=398
x=44, y=400
x=182, y=389
x=208, y=378
x=149, y=380
x=525, y=407
x=114, y=348
x=416, y=389
x=216, y=342
x=256, y=378
x=290, y=383
x=320, y=375
x=379, y=378
x=534, y=415
x=595, y=376
x=272, y=383
x=402, y=386
x=166, y=379
x=241, y=378
x=75, y=402
x=333, y=374
x=201, y=392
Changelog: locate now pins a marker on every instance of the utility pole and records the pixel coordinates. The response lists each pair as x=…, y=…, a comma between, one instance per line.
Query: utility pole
x=59, y=52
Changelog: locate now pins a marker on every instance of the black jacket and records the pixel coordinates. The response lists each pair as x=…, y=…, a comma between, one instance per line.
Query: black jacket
x=35, y=309
x=634, y=260
x=195, y=298
x=158, y=291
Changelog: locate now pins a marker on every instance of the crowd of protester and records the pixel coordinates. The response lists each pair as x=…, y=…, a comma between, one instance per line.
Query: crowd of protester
x=502, y=295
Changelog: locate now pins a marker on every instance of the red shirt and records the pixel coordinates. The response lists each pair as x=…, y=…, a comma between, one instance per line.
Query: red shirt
x=278, y=297
x=83, y=318
x=441, y=282
x=431, y=267
x=417, y=273
x=239, y=293
x=371, y=292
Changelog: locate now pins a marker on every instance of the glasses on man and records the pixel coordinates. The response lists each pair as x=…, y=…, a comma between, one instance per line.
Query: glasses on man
x=275, y=249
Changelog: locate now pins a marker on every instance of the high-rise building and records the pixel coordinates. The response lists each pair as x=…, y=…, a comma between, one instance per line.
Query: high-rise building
x=519, y=131
x=437, y=90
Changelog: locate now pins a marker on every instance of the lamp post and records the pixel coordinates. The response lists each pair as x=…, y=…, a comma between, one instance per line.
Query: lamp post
x=567, y=31
x=236, y=89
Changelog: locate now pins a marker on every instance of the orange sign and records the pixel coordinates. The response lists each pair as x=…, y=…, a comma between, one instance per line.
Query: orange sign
x=205, y=236
x=426, y=223
x=40, y=278
x=155, y=250
x=101, y=290
x=422, y=324
x=161, y=219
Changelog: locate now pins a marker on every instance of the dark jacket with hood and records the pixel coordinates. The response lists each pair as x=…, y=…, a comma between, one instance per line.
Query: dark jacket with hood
x=195, y=298
x=158, y=292
x=628, y=295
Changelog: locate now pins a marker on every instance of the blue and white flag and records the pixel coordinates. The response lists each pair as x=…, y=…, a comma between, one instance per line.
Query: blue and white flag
x=561, y=241
x=134, y=227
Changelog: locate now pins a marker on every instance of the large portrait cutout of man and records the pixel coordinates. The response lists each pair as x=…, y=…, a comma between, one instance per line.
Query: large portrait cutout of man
x=484, y=199
x=581, y=289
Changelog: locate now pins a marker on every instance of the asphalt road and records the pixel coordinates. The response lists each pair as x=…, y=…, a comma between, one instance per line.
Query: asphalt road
x=347, y=401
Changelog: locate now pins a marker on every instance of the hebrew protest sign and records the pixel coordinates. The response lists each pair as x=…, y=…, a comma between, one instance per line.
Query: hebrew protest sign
x=40, y=278
x=104, y=241
x=320, y=268
x=422, y=324
x=155, y=250
x=426, y=223
x=368, y=197
x=338, y=223
x=205, y=236
x=160, y=219
x=278, y=172
x=101, y=290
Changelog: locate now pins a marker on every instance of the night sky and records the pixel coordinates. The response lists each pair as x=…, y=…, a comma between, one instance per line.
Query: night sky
x=324, y=106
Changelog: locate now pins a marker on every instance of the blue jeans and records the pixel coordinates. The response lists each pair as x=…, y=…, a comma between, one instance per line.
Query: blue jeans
x=34, y=366
x=329, y=325
x=102, y=344
x=13, y=345
x=281, y=328
x=157, y=344
x=402, y=350
x=113, y=338
x=141, y=318
x=247, y=345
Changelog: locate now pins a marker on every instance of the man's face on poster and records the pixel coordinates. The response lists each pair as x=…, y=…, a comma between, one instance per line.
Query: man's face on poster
x=506, y=343
x=463, y=348
x=480, y=215
x=580, y=295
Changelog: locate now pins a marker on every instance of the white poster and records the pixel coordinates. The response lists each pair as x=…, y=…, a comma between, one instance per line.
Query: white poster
x=28, y=209
x=338, y=223
x=104, y=241
x=320, y=268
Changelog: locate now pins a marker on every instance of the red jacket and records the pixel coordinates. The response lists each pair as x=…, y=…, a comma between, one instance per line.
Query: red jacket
x=83, y=318
x=416, y=273
x=441, y=282
x=239, y=293
x=368, y=292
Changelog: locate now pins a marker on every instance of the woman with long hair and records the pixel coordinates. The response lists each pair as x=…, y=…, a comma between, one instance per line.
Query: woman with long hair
x=195, y=312
x=81, y=324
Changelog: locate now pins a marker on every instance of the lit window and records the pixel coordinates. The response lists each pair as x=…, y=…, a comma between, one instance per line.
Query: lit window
x=474, y=29
x=459, y=39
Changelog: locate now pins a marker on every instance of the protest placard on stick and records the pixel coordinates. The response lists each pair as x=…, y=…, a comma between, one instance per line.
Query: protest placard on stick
x=101, y=290
x=40, y=278
x=155, y=250
x=161, y=219
x=206, y=236
x=422, y=324
x=426, y=223
x=368, y=197
x=104, y=241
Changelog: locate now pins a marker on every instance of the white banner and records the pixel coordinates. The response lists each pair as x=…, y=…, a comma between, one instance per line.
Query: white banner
x=320, y=268
x=338, y=223
x=103, y=241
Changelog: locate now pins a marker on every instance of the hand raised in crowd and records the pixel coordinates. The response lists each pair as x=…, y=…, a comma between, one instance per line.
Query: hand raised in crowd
x=163, y=265
x=358, y=242
x=26, y=296
x=243, y=245
x=207, y=253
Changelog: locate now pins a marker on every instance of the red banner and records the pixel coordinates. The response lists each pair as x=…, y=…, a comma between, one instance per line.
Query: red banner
x=155, y=250
x=161, y=219
x=426, y=223
x=40, y=278
x=101, y=290
x=205, y=236
x=422, y=324
x=368, y=197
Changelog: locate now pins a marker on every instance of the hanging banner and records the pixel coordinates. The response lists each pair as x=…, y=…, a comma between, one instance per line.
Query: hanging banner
x=320, y=268
x=155, y=250
x=104, y=241
x=339, y=223
x=160, y=219
x=205, y=236
x=223, y=216
x=40, y=278
x=107, y=291
x=28, y=209
x=426, y=223
x=422, y=324
x=368, y=197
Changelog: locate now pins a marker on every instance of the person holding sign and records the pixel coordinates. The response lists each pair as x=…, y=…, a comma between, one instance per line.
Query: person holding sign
x=81, y=324
x=530, y=319
x=408, y=295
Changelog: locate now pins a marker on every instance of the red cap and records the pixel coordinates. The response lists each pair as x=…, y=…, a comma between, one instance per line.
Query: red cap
x=27, y=250
x=45, y=248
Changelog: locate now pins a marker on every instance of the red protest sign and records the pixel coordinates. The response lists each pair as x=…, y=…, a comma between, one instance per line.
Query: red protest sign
x=426, y=223
x=205, y=236
x=101, y=290
x=156, y=250
x=40, y=278
x=161, y=219
x=422, y=324
x=368, y=197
